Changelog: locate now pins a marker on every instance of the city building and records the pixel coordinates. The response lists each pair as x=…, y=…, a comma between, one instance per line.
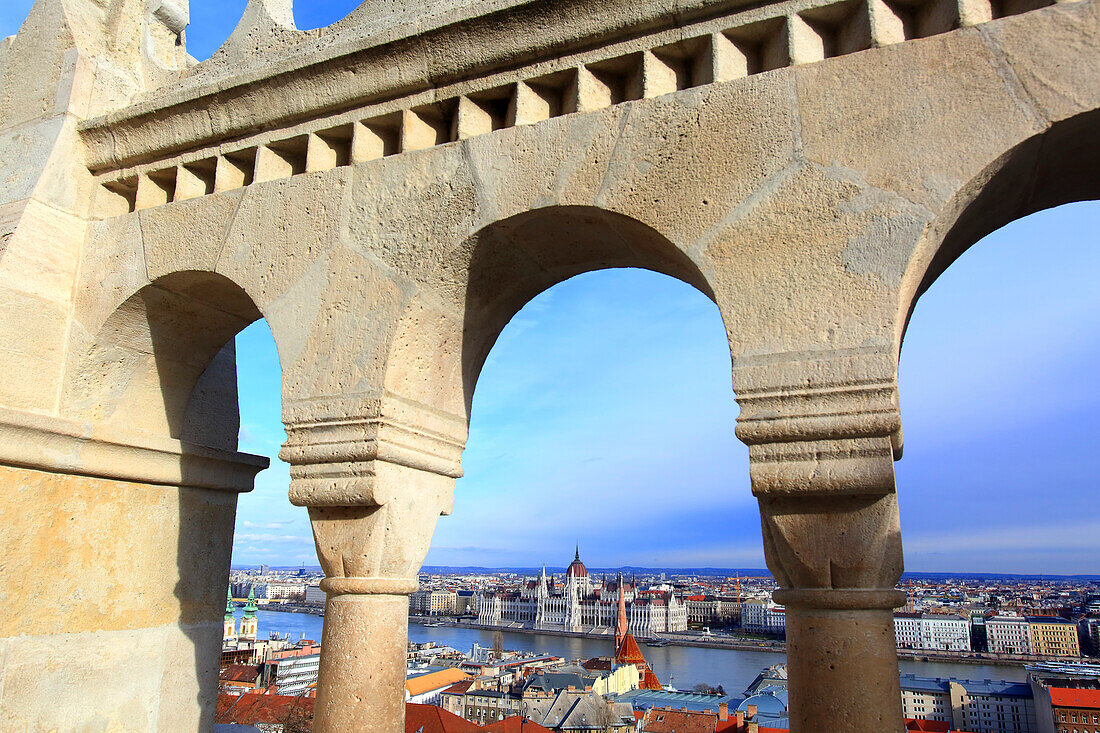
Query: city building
x=1052, y=636
x=1045, y=677
x=279, y=591
x=1008, y=635
x=578, y=710
x=579, y=604
x=932, y=631
x=985, y=706
x=763, y=616
x=1075, y=710
x=453, y=699
x=426, y=688
x=294, y=671
x=1088, y=631
x=489, y=706
x=314, y=596
x=433, y=602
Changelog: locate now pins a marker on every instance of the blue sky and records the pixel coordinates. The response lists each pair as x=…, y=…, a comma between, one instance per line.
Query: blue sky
x=604, y=414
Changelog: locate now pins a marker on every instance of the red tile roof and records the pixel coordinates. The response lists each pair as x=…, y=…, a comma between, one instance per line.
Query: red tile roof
x=667, y=720
x=630, y=653
x=431, y=719
x=255, y=708
x=459, y=688
x=240, y=673
x=929, y=726
x=515, y=724
x=1069, y=698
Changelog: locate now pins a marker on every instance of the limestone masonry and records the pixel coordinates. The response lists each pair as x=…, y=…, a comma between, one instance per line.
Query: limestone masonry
x=387, y=193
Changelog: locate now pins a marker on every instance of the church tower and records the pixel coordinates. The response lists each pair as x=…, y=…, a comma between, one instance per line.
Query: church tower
x=229, y=631
x=248, y=622
x=621, y=623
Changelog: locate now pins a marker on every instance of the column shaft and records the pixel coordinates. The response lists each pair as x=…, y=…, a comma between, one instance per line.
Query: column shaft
x=361, y=685
x=843, y=669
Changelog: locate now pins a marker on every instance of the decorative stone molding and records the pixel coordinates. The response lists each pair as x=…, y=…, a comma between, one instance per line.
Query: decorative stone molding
x=631, y=51
x=835, y=439
x=333, y=459
x=846, y=599
x=56, y=445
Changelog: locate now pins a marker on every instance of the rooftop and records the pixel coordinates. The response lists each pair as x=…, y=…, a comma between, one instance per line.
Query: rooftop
x=1072, y=698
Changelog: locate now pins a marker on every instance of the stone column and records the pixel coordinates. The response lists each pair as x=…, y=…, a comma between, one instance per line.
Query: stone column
x=822, y=457
x=375, y=486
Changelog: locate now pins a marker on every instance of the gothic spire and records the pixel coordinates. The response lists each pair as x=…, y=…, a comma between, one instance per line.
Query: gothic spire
x=250, y=607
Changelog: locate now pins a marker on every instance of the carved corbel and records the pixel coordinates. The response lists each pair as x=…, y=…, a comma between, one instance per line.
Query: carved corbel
x=375, y=481
x=822, y=453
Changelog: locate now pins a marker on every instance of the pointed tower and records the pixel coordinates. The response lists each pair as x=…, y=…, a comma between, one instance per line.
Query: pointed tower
x=229, y=631
x=248, y=621
x=621, y=623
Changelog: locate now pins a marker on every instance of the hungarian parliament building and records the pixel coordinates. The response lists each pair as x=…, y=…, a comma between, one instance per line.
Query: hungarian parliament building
x=581, y=605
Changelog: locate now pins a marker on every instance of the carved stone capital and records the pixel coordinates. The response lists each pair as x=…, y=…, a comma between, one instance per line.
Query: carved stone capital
x=823, y=432
x=335, y=450
x=827, y=425
x=376, y=475
x=378, y=550
x=830, y=543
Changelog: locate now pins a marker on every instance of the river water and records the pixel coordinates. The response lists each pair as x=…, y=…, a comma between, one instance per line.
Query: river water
x=679, y=666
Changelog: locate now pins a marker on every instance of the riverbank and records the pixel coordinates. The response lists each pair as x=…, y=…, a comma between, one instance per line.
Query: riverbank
x=753, y=645
x=678, y=665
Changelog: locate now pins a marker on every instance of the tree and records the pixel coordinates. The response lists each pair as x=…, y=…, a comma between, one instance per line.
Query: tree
x=296, y=719
x=498, y=645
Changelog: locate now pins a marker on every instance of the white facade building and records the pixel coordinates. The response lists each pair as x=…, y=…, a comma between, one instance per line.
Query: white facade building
x=315, y=596
x=934, y=631
x=279, y=591
x=580, y=605
x=294, y=675
x=1008, y=635
x=763, y=617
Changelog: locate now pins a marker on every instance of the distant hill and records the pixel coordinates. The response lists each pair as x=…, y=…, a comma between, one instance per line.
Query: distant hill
x=699, y=572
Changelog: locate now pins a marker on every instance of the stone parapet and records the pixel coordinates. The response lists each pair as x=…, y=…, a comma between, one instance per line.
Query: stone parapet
x=480, y=68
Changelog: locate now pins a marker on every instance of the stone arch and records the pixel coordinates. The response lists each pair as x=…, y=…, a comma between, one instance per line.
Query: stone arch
x=1047, y=170
x=504, y=265
x=163, y=363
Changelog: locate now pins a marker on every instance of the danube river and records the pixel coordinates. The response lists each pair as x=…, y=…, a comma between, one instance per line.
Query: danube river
x=680, y=666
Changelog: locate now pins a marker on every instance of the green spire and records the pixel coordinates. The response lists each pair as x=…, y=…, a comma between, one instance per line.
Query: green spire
x=229, y=610
x=250, y=607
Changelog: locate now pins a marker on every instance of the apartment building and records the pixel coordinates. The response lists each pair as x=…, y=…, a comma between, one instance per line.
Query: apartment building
x=1053, y=636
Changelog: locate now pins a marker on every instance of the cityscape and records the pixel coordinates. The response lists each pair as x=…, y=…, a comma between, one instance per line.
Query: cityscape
x=567, y=647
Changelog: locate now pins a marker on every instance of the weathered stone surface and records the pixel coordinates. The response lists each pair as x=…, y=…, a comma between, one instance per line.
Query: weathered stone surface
x=388, y=192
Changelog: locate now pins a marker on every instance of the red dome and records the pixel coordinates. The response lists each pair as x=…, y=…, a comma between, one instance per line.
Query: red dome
x=576, y=568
